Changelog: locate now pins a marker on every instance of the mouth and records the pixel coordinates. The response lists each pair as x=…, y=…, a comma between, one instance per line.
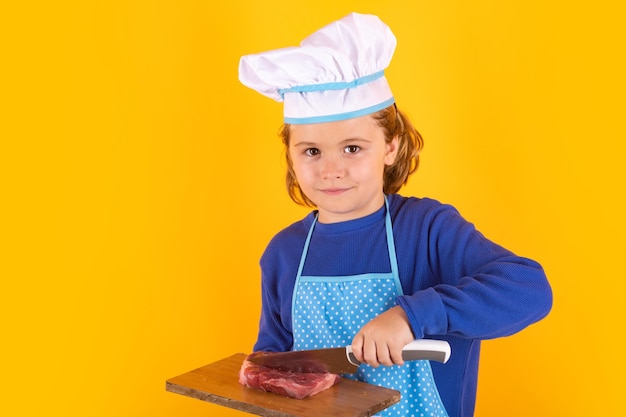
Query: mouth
x=334, y=191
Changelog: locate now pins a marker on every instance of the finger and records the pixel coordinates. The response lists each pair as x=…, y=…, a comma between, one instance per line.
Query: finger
x=370, y=353
x=395, y=354
x=383, y=355
x=357, y=347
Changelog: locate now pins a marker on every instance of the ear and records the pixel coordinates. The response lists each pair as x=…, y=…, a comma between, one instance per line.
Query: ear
x=391, y=151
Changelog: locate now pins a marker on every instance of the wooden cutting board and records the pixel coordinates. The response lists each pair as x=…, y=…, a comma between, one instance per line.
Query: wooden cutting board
x=219, y=383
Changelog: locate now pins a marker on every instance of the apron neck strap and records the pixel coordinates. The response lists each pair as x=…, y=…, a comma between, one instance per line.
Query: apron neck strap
x=391, y=246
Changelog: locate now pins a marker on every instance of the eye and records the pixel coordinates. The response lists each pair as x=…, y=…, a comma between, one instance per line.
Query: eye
x=312, y=151
x=352, y=149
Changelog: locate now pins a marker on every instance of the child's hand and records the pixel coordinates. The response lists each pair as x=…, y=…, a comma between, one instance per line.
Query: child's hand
x=380, y=341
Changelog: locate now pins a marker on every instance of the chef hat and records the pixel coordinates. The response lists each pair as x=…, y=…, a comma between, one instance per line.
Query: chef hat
x=336, y=73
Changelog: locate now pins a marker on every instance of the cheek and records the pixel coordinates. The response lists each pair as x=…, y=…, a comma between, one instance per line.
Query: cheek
x=371, y=167
x=365, y=174
x=301, y=171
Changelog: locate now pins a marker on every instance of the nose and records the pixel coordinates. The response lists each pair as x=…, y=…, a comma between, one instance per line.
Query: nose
x=332, y=167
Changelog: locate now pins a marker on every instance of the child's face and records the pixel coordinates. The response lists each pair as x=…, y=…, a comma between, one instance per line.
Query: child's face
x=339, y=166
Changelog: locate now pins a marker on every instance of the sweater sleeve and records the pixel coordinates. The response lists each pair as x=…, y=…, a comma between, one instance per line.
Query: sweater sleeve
x=273, y=336
x=279, y=264
x=478, y=289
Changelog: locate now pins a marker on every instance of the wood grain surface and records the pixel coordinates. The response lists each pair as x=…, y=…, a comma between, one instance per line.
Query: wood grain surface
x=218, y=383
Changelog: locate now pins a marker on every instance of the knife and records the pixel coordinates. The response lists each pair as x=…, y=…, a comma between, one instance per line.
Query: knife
x=341, y=360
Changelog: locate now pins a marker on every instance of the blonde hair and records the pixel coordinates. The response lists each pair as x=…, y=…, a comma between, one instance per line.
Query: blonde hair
x=394, y=123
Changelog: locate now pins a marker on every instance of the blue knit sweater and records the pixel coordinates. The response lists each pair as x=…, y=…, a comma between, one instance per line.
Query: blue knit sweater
x=458, y=285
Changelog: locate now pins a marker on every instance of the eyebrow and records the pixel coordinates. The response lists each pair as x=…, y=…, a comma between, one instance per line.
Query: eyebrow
x=343, y=142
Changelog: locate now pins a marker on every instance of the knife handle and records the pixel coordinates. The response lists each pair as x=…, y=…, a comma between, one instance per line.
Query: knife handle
x=420, y=349
x=434, y=350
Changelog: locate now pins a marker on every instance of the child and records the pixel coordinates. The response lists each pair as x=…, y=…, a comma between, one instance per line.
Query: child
x=368, y=267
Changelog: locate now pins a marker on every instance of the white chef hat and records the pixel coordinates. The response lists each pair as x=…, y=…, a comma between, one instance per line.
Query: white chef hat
x=336, y=73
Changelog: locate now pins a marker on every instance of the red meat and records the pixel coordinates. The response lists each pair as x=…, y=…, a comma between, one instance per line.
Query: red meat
x=287, y=383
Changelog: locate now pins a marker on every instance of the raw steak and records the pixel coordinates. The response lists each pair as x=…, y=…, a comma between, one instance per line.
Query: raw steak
x=287, y=383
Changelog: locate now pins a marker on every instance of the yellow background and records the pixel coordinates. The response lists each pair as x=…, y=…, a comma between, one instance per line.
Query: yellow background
x=140, y=182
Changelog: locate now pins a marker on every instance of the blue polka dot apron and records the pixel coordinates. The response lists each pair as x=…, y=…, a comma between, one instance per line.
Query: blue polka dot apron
x=328, y=311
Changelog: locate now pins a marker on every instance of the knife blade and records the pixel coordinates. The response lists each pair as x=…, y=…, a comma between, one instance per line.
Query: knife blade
x=341, y=360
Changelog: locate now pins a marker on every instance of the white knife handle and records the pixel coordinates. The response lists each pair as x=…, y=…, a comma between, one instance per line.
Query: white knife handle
x=434, y=350
x=420, y=349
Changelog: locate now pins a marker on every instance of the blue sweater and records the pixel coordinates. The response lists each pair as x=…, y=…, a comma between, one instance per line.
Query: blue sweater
x=458, y=286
